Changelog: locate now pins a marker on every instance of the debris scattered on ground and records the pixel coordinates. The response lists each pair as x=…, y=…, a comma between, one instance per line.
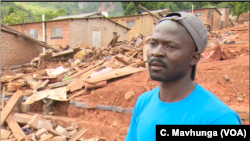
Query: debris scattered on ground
x=106, y=78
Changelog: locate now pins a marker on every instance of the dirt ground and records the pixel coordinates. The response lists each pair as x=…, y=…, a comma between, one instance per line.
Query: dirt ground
x=227, y=79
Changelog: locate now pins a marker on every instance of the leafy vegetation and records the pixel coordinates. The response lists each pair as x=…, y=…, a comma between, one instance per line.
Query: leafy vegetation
x=15, y=16
x=52, y=14
x=32, y=11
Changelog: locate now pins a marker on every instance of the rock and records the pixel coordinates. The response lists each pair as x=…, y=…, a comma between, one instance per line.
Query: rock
x=231, y=51
x=140, y=63
x=227, y=78
x=129, y=95
x=240, y=99
x=115, y=124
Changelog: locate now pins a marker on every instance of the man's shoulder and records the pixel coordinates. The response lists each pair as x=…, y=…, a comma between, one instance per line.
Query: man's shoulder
x=212, y=106
x=210, y=100
x=149, y=94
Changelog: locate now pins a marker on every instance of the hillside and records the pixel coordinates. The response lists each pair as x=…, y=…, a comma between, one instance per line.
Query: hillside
x=34, y=9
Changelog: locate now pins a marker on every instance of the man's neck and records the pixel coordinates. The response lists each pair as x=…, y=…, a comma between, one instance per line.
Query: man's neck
x=177, y=90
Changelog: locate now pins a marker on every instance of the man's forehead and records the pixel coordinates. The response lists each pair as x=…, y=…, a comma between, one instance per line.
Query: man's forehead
x=169, y=25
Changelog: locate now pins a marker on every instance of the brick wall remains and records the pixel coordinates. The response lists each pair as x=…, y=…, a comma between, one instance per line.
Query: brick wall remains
x=16, y=50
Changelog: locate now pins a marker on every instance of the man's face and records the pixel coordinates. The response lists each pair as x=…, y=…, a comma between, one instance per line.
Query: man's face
x=170, y=52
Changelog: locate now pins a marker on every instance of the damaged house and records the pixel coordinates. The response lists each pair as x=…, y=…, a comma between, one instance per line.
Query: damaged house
x=92, y=29
x=16, y=50
x=140, y=23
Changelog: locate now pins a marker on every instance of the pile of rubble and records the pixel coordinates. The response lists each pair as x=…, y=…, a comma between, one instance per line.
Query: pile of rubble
x=79, y=70
x=223, y=37
x=37, y=128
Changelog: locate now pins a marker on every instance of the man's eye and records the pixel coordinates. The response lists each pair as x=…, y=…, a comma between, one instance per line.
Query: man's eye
x=168, y=46
x=153, y=44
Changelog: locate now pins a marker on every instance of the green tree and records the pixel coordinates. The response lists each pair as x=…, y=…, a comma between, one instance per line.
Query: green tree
x=222, y=4
x=15, y=17
x=238, y=8
x=50, y=14
x=172, y=6
x=131, y=8
x=11, y=9
x=198, y=5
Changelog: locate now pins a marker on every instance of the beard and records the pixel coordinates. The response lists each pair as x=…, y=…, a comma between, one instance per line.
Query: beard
x=166, y=74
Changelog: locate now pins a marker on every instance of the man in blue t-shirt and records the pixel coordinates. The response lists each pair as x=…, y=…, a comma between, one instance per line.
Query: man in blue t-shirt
x=175, y=49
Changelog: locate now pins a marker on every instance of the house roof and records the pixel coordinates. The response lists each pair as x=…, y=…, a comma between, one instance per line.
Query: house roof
x=157, y=11
x=9, y=31
x=84, y=15
x=199, y=9
x=144, y=13
x=15, y=33
x=68, y=18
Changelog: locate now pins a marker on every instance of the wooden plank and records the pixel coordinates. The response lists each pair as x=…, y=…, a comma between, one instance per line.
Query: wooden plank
x=3, y=96
x=129, y=48
x=47, y=77
x=115, y=74
x=87, y=69
x=145, y=50
x=15, y=128
x=9, y=78
x=7, y=109
x=38, y=84
x=22, y=118
x=77, y=94
x=43, y=85
x=6, y=93
x=5, y=134
x=115, y=41
x=121, y=60
x=79, y=83
x=129, y=58
x=63, y=53
x=240, y=42
x=59, y=84
x=78, y=135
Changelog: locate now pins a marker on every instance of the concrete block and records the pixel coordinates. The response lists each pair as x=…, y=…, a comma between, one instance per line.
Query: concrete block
x=46, y=137
x=72, y=127
x=34, y=121
x=32, y=137
x=25, y=107
x=44, y=124
x=62, y=131
x=40, y=132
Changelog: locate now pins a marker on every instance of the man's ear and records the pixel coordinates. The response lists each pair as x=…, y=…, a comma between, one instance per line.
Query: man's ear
x=196, y=56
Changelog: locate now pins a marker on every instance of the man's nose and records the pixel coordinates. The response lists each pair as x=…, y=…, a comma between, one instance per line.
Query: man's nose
x=158, y=52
